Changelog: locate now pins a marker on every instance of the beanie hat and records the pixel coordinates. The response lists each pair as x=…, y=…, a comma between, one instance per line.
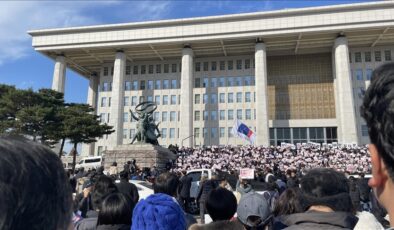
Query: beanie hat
x=158, y=212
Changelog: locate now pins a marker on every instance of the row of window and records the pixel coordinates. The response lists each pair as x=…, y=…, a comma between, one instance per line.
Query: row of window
x=134, y=100
x=213, y=98
x=214, y=82
x=303, y=135
x=130, y=133
x=151, y=85
x=359, y=74
x=156, y=116
x=213, y=132
x=368, y=56
x=146, y=69
x=224, y=65
x=213, y=115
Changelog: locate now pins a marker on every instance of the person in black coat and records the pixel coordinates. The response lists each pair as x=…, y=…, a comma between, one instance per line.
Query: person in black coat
x=184, y=190
x=206, y=187
x=127, y=188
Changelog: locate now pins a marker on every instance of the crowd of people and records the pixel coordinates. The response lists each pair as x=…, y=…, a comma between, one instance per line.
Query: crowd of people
x=37, y=194
x=353, y=160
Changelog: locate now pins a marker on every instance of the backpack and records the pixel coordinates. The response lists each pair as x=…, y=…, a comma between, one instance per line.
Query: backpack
x=271, y=197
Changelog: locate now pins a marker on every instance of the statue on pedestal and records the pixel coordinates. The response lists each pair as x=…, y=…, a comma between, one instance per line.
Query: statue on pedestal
x=147, y=130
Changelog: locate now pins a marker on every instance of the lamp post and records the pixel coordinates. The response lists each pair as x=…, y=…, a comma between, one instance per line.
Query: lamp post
x=186, y=139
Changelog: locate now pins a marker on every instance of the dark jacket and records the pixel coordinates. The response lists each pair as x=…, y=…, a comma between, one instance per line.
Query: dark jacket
x=129, y=190
x=88, y=223
x=184, y=187
x=114, y=227
x=320, y=220
x=205, y=188
x=365, y=190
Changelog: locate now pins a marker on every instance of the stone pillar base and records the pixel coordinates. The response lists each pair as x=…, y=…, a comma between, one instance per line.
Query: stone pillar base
x=146, y=155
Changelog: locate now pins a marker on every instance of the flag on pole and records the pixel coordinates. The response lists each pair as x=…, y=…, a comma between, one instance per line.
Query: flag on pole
x=243, y=131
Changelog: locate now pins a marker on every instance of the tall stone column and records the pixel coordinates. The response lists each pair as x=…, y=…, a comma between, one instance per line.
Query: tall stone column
x=116, y=115
x=186, y=108
x=88, y=149
x=347, y=128
x=59, y=74
x=261, y=104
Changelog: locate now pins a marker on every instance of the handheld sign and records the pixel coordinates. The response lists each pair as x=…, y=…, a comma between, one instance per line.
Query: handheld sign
x=246, y=173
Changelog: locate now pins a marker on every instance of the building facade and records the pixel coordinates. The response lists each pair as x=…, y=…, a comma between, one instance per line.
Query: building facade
x=292, y=76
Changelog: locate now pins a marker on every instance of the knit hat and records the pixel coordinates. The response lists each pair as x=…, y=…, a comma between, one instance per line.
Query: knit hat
x=253, y=204
x=158, y=212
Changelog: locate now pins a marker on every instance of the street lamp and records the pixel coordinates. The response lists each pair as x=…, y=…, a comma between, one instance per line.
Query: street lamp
x=186, y=139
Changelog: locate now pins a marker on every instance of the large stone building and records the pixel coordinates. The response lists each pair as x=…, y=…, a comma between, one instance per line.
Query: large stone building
x=293, y=75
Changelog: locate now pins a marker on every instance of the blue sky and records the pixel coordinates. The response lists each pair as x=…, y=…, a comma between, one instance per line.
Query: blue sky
x=21, y=66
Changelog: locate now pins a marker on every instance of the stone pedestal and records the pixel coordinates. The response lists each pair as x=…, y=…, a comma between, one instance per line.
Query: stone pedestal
x=146, y=155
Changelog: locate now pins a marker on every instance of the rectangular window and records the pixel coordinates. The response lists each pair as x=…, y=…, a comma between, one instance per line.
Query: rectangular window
x=214, y=98
x=166, y=68
x=230, y=114
x=164, y=133
x=125, y=132
x=359, y=74
x=158, y=68
x=105, y=72
x=150, y=69
x=369, y=74
x=132, y=133
x=134, y=100
x=378, y=56
x=135, y=85
x=157, y=84
x=196, y=115
x=103, y=101
x=248, y=81
x=247, y=97
x=197, y=83
x=239, y=97
x=364, y=130
x=125, y=117
x=238, y=81
x=198, y=66
x=367, y=56
x=205, y=98
x=248, y=114
x=142, y=85
x=142, y=99
x=135, y=69
x=143, y=69
x=387, y=55
x=157, y=99
x=205, y=82
x=214, y=132
x=163, y=116
x=173, y=68
x=230, y=65
x=222, y=115
x=125, y=101
x=230, y=81
x=222, y=82
x=229, y=132
x=247, y=63
x=222, y=65
x=205, y=118
x=127, y=86
x=172, y=116
x=205, y=66
x=149, y=98
x=102, y=117
x=165, y=99
x=128, y=70
x=166, y=84
x=214, y=82
x=239, y=64
x=174, y=84
x=173, y=99
x=357, y=57
x=204, y=132
x=316, y=135
x=214, y=115
x=221, y=131
x=239, y=114
x=172, y=133
x=222, y=98
x=196, y=132
x=213, y=66
x=230, y=98
x=197, y=99
x=150, y=84
x=156, y=116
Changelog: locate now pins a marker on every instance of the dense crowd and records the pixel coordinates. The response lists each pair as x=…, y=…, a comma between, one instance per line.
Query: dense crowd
x=353, y=160
x=36, y=194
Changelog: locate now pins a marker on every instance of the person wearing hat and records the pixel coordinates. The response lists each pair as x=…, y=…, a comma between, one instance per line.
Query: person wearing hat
x=254, y=212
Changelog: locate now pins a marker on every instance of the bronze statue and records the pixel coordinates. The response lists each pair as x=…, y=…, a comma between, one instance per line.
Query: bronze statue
x=146, y=126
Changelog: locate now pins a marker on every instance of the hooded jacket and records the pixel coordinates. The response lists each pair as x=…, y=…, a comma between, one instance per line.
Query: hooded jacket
x=320, y=220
